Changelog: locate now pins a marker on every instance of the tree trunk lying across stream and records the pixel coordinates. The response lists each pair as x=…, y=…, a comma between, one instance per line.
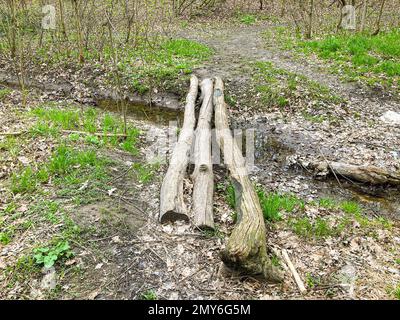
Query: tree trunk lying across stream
x=172, y=206
x=245, y=250
x=203, y=178
x=362, y=173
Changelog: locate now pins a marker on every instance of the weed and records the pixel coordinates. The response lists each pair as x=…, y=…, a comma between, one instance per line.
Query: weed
x=4, y=93
x=148, y=295
x=145, y=172
x=5, y=238
x=311, y=229
x=48, y=256
x=278, y=87
x=275, y=261
x=327, y=203
x=23, y=182
x=231, y=196
x=248, y=19
x=350, y=207
x=312, y=281
x=273, y=203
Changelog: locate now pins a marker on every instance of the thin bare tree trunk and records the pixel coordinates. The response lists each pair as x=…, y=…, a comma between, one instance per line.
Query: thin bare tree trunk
x=378, y=23
x=363, y=15
x=310, y=20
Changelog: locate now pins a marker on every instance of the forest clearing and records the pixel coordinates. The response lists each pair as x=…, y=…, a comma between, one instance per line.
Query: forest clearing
x=199, y=149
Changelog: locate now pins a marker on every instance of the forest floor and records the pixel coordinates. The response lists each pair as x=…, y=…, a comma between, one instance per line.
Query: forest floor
x=97, y=214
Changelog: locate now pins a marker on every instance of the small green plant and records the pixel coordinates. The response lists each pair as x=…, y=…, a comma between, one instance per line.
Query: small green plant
x=5, y=238
x=273, y=203
x=312, y=281
x=23, y=182
x=231, y=196
x=350, y=207
x=327, y=203
x=145, y=172
x=248, y=19
x=311, y=229
x=212, y=233
x=4, y=93
x=148, y=295
x=48, y=256
x=275, y=261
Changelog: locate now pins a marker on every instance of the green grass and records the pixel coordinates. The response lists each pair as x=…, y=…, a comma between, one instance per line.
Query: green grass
x=350, y=207
x=52, y=120
x=311, y=229
x=322, y=227
x=158, y=62
x=67, y=166
x=231, y=196
x=272, y=204
x=280, y=88
x=247, y=19
x=23, y=270
x=148, y=295
x=4, y=93
x=358, y=56
x=11, y=146
x=327, y=203
x=145, y=172
x=5, y=238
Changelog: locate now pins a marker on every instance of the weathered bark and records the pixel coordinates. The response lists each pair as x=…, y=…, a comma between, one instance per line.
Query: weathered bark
x=363, y=173
x=203, y=177
x=245, y=250
x=172, y=206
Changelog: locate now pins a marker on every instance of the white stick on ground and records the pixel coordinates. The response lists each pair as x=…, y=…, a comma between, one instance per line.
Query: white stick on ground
x=292, y=269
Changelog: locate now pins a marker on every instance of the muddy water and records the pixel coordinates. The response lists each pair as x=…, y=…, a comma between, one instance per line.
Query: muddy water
x=155, y=115
x=272, y=151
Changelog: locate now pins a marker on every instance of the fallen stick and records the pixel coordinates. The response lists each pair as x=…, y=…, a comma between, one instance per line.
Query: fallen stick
x=172, y=206
x=16, y=133
x=361, y=173
x=203, y=178
x=245, y=250
x=292, y=269
x=99, y=134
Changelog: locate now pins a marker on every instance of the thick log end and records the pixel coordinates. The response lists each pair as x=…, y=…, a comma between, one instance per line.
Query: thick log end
x=172, y=216
x=251, y=265
x=205, y=225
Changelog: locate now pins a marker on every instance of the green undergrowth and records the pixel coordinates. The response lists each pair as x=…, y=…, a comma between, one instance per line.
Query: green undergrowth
x=93, y=128
x=355, y=56
x=149, y=64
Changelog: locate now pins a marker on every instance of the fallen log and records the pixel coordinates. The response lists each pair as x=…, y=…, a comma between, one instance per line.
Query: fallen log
x=245, y=250
x=203, y=178
x=172, y=206
x=362, y=173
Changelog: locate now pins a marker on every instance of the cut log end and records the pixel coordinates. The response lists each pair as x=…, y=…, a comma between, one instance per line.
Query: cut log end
x=172, y=216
